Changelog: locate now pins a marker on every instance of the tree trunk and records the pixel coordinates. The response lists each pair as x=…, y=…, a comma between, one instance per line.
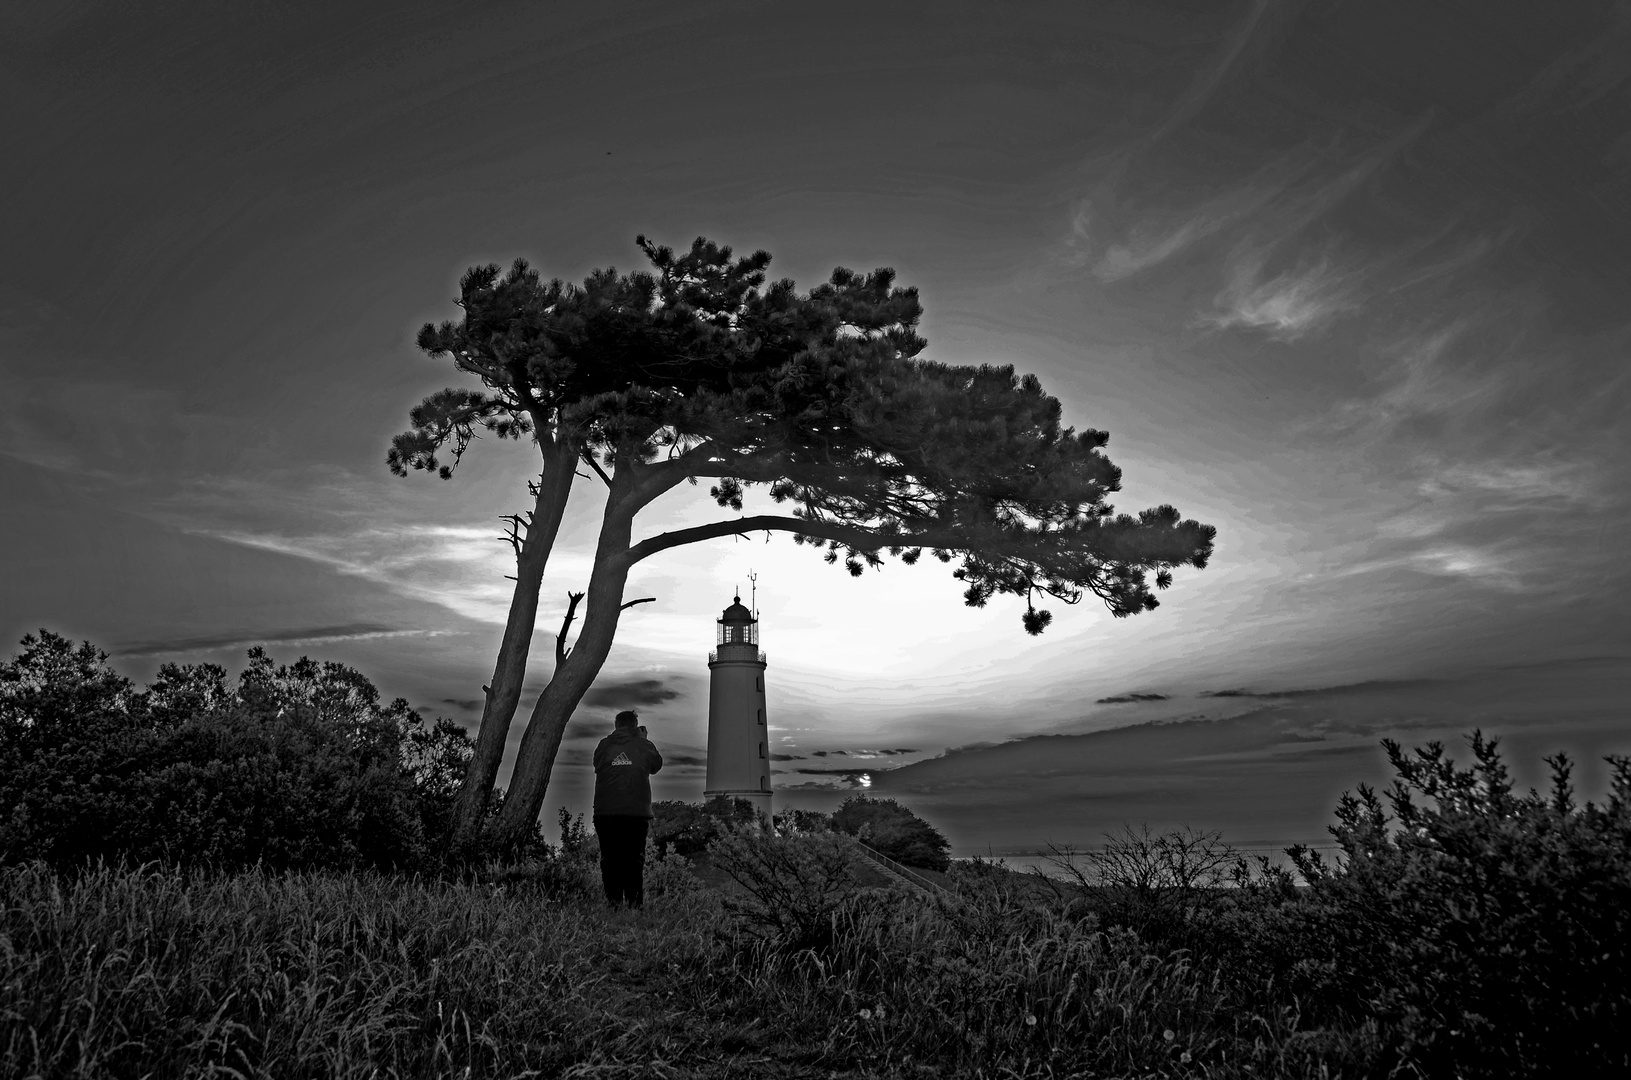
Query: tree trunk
x=539, y=745
x=509, y=672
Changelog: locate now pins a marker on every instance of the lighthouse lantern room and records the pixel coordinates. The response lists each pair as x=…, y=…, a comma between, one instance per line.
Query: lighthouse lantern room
x=738, y=735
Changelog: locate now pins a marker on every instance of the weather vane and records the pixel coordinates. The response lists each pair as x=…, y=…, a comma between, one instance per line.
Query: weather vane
x=753, y=583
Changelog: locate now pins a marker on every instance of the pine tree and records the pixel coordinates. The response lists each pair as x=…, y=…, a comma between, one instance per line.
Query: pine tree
x=697, y=368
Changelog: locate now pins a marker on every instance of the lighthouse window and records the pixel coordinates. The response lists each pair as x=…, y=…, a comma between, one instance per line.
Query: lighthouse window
x=761, y=749
x=759, y=682
x=764, y=783
x=761, y=716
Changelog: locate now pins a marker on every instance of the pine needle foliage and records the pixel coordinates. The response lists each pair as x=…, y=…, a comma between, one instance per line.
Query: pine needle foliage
x=819, y=397
x=700, y=367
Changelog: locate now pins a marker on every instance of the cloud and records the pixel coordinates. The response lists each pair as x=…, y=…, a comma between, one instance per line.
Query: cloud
x=1142, y=251
x=1120, y=699
x=1287, y=305
x=628, y=693
x=239, y=639
x=1420, y=382
x=457, y=567
x=462, y=703
x=1515, y=485
x=1276, y=202
x=846, y=777
x=1464, y=561
x=787, y=757
x=1210, y=77
x=1147, y=245
x=1271, y=776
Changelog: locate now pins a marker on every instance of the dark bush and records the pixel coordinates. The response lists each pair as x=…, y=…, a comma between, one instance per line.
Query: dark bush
x=1490, y=930
x=297, y=766
x=801, y=889
x=887, y=826
x=688, y=828
x=1159, y=885
x=802, y=821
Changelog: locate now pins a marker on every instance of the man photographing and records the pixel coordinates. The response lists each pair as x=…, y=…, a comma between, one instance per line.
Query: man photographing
x=624, y=762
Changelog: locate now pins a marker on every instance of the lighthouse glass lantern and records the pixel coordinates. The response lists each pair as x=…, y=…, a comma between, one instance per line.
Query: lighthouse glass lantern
x=738, y=626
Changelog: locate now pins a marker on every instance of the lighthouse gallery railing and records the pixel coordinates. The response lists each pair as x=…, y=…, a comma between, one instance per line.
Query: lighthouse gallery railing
x=713, y=656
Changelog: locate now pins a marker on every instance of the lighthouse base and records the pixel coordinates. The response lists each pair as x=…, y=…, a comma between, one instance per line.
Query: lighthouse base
x=759, y=800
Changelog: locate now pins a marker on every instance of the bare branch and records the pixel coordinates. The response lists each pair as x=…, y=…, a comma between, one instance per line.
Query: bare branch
x=513, y=537
x=642, y=600
x=561, y=651
x=595, y=465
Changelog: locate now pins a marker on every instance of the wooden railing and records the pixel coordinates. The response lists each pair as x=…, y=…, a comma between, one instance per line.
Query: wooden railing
x=905, y=873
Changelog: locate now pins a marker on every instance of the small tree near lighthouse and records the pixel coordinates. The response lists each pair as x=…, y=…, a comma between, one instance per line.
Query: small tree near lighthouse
x=697, y=368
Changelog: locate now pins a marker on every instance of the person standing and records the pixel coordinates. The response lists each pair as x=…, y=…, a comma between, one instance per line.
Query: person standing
x=624, y=762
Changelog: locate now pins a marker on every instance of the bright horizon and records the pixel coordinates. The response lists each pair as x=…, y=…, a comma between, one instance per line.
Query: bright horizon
x=1346, y=282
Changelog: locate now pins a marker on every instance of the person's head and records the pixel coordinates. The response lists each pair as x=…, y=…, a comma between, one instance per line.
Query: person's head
x=628, y=718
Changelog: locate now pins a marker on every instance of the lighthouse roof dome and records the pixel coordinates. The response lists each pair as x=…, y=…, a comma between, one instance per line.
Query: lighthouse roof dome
x=737, y=613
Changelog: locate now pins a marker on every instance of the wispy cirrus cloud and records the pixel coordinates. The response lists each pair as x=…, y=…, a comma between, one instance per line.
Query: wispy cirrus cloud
x=1210, y=77
x=1486, y=565
x=1267, y=215
x=1419, y=381
x=1286, y=305
x=1159, y=236
x=458, y=567
x=1516, y=485
x=300, y=636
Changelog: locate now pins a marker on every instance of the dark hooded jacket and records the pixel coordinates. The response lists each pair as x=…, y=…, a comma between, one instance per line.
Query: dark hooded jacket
x=624, y=762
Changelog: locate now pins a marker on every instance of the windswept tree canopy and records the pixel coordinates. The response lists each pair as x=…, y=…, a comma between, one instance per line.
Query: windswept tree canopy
x=698, y=368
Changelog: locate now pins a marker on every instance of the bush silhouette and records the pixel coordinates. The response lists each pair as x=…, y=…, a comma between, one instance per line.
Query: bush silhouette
x=688, y=828
x=1490, y=928
x=887, y=826
x=297, y=766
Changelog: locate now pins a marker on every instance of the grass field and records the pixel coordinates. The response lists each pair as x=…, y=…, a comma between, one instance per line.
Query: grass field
x=146, y=973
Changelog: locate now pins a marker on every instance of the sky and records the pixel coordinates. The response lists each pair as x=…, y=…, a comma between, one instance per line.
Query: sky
x=1349, y=281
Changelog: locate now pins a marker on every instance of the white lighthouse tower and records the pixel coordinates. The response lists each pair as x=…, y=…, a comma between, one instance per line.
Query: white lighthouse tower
x=738, y=737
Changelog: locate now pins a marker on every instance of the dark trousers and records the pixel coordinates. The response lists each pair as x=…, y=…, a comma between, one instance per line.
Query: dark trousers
x=623, y=857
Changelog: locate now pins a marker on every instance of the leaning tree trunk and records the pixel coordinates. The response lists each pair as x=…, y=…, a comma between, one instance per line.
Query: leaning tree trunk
x=509, y=671
x=604, y=603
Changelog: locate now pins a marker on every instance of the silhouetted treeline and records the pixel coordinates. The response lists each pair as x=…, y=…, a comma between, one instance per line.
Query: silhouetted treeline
x=292, y=767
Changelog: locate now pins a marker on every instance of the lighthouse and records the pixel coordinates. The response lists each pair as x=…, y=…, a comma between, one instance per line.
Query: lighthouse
x=738, y=737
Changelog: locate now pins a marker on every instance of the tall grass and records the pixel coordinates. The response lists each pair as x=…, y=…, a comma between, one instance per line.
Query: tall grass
x=121, y=972
x=788, y=967
x=147, y=973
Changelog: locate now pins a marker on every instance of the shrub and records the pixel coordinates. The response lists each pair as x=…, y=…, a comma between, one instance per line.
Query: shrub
x=799, y=888
x=296, y=766
x=1153, y=883
x=1490, y=930
x=802, y=821
x=688, y=828
x=887, y=826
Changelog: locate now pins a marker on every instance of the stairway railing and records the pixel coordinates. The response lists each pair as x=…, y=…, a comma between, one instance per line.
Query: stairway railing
x=906, y=873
